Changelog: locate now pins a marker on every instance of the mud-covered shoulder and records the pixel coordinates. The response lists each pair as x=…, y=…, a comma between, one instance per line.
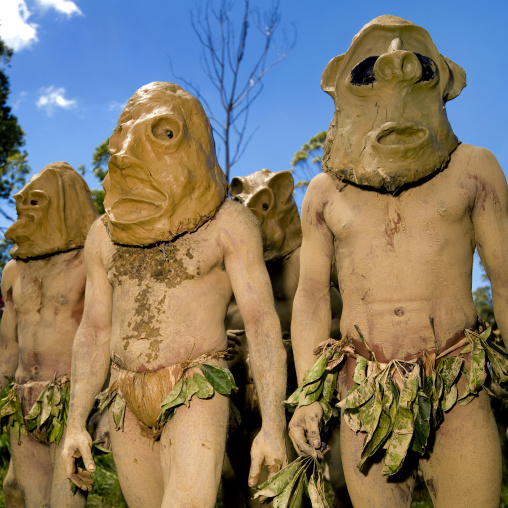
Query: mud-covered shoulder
x=477, y=168
x=233, y=214
x=98, y=244
x=11, y=271
x=237, y=227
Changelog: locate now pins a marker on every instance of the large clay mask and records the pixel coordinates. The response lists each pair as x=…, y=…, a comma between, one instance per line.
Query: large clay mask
x=164, y=179
x=390, y=126
x=270, y=197
x=55, y=211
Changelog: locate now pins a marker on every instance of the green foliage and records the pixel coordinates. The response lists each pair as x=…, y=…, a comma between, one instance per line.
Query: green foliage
x=306, y=162
x=13, y=163
x=98, y=199
x=483, y=300
x=5, y=248
x=100, y=160
x=106, y=490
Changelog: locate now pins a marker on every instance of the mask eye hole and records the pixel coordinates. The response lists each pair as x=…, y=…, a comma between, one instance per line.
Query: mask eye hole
x=429, y=67
x=265, y=206
x=165, y=129
x=34, y=202
x=363, y=73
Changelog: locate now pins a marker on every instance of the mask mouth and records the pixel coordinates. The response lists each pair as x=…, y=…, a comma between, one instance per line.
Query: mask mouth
x=133, y=194
x=392, y=136
x=22, y=229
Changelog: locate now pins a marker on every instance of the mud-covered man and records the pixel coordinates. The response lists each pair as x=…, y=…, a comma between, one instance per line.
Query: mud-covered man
x=269, y=196
x=401, y=206
x=44, y=290
x=162, y=266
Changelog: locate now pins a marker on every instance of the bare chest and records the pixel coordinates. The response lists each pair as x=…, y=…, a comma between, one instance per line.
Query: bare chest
x=422, y=217
x=57, y=282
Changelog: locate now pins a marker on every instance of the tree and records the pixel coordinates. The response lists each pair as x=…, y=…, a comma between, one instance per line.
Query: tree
x=306, y=163
x=483, y=301
x=13, y=162
x=226, y=41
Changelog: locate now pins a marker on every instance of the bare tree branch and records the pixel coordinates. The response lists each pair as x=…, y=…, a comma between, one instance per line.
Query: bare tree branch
x=227, y=47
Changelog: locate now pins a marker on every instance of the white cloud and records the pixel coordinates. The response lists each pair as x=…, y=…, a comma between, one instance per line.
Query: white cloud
x=116, y=106
x=64, y=6
x=15, y=29
x=52, y=97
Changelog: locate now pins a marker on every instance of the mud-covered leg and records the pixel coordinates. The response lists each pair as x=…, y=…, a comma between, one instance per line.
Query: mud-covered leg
x=373, y=490
x=32, y=463
x=12, y=494
x=137, y=463
x=61, y=493
x=464, y=468
x=192, y=449
x=335, y=469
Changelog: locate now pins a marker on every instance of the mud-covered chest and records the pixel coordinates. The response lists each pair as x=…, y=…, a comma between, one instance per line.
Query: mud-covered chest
x=167, y=263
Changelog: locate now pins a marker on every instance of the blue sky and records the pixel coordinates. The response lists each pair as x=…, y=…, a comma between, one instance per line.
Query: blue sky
x=77, y=62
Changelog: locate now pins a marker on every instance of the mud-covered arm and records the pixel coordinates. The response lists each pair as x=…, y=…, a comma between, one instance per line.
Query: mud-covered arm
x=490, y=220
x=312, y=308
x=244, y=263
x=312, y=315
x=90, y=354
x=9, y=349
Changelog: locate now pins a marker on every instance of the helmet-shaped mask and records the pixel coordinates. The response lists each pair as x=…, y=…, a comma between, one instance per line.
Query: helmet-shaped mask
x=269, y=196
x=390, y=88
x=164, y=179
x=55, y=211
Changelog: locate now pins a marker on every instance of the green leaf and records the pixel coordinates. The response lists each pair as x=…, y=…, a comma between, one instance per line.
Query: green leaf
x=307, y=397
x=278, y=482
x=314, y=494
x=118, y=411
x=389, y=394
x=421, y=413
x=205, y=389
x=450, y=398
x=360, y=373
x=191, y=389
x=296, y=498
x=174, y=394
x=359, y=396
x=220, y=378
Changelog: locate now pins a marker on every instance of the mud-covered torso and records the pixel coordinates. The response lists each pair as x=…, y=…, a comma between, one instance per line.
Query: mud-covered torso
x=169, y=299
x=404, y=259
x=48, y=298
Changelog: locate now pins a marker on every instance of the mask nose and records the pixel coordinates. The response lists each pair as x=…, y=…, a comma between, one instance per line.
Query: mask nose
x=398, y=65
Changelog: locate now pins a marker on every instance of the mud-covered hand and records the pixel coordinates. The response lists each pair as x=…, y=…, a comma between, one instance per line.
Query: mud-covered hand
x=269, y=449
x=304, y=429
x=78, y=443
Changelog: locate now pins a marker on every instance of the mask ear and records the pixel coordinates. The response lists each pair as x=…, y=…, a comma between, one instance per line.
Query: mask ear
x=329, y=76
x=236, y=186
x=456, y=80
x=261, y=203
x=282, y=185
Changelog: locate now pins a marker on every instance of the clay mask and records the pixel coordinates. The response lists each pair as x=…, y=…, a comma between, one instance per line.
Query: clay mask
x=55, y=211
x=270, y=197
x=390, y=88
x=164, y=179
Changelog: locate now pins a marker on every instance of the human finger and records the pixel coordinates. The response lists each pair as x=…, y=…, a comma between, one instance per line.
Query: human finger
x=86, y=453
x=255, y=470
